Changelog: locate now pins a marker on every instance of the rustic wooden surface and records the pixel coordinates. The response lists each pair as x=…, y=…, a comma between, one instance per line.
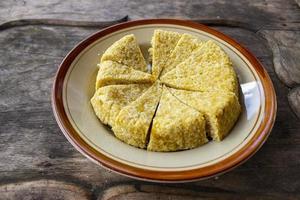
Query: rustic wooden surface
x=36, y=160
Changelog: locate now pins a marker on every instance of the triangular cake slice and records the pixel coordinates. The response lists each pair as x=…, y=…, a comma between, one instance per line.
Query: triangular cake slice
x=108, y=101
x=207, y=69
x=202, y=77
x=112, y=73
x=126, y=51
x=184, y=48
x=163, y=43
x=133, y=122
x=209, y=51
x=221, y=109
x=176, y=126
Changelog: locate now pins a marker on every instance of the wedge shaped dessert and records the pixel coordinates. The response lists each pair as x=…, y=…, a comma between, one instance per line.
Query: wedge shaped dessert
x=126, y=51
x=108, y=101
x=207, y=68
x=176, y=126
x=185, y=46
x=163, y=43
x=221, y=109
x=202, y=77
x=112, y=73
x=209, y=51
x=134, y=120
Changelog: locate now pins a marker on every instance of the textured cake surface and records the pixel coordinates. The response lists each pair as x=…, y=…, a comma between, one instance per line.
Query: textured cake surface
x=185, y=46
x=208, y=68
x=221, y=109
x=126, y=51
x=112, y=73
x=163, y=43
x=176, y=126
x=190, y=96
x=108, y=101
x=133, y=121
x=202, y=77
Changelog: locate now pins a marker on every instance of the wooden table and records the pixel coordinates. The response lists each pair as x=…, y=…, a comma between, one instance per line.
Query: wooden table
x=36, y=160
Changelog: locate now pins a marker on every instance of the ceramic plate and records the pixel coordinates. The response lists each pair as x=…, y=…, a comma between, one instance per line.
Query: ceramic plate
x=74, y=86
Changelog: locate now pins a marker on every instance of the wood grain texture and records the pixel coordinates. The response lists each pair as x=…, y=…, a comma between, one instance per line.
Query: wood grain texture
x=43, y=189
x=252, y=12
x=31, y=142
x=35, y=156
x=294, y=99
x=60, y=22
x=150, y=191
x=285, y=46
x=117, y=191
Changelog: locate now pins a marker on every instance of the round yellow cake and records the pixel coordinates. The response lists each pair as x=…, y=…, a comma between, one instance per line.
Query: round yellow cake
x=189, y=97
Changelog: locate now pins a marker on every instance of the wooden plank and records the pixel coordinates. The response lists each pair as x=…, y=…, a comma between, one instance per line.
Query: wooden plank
x=252, y=12
x=43, y=189
x=149, y=191
x=285, y=46
x=284, y=42
x=60, y=22
x=31, y=143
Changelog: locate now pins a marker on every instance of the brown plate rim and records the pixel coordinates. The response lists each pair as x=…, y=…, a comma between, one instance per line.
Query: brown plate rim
x=165, y=176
